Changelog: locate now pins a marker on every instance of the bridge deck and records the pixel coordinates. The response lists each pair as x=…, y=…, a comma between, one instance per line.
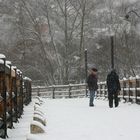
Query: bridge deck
x=72, y=119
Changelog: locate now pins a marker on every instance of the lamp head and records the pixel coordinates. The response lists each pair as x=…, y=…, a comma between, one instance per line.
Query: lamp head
x=127, y=16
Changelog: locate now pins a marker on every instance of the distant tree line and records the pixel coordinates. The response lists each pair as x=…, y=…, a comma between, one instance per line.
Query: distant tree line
x=47, y=38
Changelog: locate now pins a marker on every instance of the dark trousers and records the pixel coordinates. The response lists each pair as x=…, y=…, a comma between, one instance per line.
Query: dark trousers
x=113, y=96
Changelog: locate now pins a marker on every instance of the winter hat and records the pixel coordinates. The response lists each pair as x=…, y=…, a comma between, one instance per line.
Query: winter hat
x=94, y=69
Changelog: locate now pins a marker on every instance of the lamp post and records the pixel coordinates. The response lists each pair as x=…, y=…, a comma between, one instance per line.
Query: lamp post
x=112, y=51
x=2, y=57
x=86, y=69
x=128, y=15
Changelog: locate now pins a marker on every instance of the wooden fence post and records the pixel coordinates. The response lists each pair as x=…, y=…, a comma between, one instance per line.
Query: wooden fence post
x=4, y=99
x=22, y=96
x=130, y=91
x=137, y=86
x=105, y=92
x=38, y=91
x=136, y=92
x=11, y=96
x=70, y=90
x=98, y=91
x=53, y=93
x=101, y=89
x=124, y=86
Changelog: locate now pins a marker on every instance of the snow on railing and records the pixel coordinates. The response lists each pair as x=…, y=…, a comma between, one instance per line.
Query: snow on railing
x=14, y=94
x=59, y=91
x=130, y=87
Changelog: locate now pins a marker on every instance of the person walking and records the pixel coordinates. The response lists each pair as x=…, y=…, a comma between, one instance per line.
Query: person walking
x=113, y=86
x=92, y=85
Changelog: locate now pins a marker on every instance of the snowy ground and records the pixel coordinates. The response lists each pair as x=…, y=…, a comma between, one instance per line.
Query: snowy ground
x=73, y=119
x=22, y=128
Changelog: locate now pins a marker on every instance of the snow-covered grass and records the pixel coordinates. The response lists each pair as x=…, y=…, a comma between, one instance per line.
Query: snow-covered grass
x=73, y=119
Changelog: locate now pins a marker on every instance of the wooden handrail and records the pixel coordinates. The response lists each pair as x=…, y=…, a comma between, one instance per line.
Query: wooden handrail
x=129, y=88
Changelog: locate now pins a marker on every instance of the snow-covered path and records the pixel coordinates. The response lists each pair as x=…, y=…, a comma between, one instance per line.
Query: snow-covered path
x=73, y=119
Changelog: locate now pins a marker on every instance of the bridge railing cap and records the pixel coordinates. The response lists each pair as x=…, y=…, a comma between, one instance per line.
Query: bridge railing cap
x=1, y=61
x=137, y=77
x=2, y=56
x=124, y=78
x=27, y=78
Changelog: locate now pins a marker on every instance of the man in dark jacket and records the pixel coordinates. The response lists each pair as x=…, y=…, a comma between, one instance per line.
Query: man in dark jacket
x=113, y=86
x=92, y=85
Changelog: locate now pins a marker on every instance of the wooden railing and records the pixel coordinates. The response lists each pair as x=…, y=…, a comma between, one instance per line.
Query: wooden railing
x=130, y=90
x=60, y=91
x=15, y=91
